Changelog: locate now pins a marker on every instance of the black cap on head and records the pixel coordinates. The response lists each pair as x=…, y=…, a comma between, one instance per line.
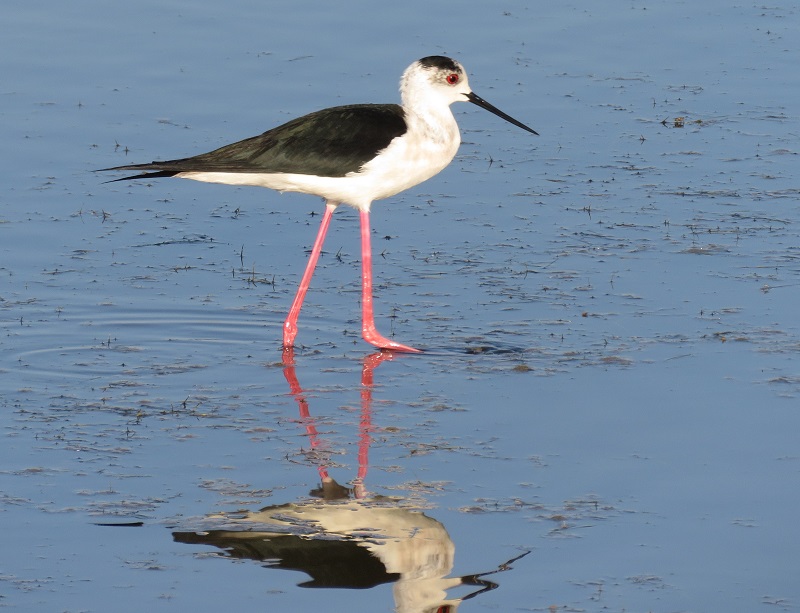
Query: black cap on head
x=439, y=61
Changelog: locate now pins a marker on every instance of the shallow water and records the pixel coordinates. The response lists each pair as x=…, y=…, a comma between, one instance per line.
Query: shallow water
x=608, y=311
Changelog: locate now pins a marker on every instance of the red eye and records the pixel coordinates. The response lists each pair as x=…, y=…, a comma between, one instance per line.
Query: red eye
x=452, y=79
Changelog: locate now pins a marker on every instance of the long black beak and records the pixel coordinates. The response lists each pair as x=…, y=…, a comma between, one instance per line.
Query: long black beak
x=476, y=99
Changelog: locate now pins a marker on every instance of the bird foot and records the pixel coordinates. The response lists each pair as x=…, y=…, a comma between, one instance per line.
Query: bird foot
x=372, y=336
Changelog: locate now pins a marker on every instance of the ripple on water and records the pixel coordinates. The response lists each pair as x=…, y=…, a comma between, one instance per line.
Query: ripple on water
x=101, y=345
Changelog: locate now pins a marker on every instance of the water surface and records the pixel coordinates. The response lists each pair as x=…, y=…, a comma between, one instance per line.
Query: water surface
x=609, y=312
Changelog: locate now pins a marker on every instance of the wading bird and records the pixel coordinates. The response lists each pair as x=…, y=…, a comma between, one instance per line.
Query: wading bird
x=352, y=155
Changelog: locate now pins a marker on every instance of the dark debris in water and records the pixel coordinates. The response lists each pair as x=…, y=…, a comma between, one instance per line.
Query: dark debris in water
x=186, y=240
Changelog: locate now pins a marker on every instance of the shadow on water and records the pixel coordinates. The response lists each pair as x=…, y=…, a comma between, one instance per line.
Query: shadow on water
x=343, y=537
x=477, y=347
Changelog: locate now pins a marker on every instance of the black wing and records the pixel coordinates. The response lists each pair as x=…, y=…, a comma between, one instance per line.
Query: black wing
x=331, y=143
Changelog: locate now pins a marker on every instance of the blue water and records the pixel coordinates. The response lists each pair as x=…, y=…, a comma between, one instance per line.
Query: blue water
x=609, y=309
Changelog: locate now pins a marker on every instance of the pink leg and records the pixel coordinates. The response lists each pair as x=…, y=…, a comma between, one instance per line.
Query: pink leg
x=290, y=325
x=368, y=330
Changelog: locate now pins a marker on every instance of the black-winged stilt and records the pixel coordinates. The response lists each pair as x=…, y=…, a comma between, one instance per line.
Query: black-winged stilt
x=352, y=155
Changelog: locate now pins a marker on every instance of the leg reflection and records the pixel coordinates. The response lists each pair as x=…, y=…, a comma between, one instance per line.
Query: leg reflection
x=343, y=537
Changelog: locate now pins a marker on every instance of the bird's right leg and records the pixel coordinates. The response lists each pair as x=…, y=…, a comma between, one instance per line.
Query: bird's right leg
x=290, y=325
x=368, y=330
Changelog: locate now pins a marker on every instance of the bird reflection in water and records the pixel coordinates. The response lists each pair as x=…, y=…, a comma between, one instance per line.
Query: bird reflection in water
x=342, y=537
